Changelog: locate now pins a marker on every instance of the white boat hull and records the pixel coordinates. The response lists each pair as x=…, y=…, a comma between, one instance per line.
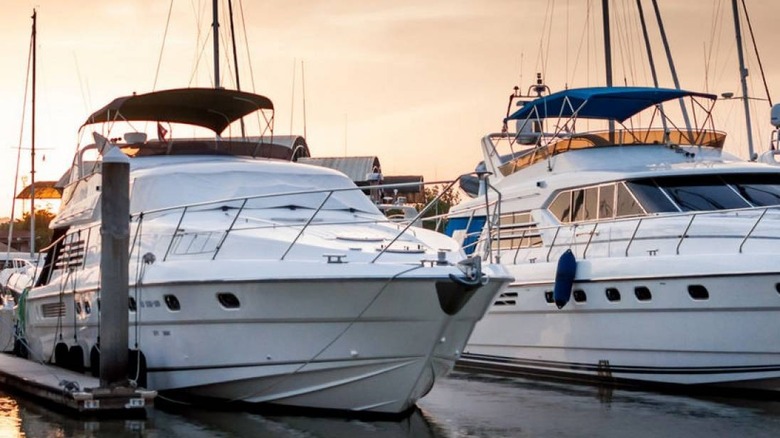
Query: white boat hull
x=371, y=344
x=728, y=339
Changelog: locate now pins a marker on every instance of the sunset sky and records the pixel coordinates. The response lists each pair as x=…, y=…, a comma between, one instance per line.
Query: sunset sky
x=416, y=83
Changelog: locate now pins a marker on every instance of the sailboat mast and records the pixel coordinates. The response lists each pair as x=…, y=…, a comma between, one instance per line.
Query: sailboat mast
x=215, y=25
x=649, y=55
x=743, y=73
x=235, y=57
x=608, y=56
x=670, y=60
x=32, y=140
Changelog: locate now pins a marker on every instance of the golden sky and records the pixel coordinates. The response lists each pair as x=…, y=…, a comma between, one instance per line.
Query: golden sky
x=416, y=83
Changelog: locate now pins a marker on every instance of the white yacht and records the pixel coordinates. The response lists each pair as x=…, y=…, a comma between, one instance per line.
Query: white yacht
x=252, y=279
x=642, y=255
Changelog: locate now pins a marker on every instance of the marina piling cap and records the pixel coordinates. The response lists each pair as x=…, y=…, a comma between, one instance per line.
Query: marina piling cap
x=115, y=156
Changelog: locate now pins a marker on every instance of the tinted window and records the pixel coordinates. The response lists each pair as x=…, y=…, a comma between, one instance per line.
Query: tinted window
x=651, y=197
x=591, y=204
x=759, y=190
x=561, y=206
x=607, y=202
x=626, y=204
x=702, y=193
x=577, y=205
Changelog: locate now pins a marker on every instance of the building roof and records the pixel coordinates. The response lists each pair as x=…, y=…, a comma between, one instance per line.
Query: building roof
x=43, y=190
x=359, y=169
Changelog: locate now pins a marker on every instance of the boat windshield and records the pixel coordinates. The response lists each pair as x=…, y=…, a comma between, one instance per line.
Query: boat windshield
x=708, y=192
x=670, y=194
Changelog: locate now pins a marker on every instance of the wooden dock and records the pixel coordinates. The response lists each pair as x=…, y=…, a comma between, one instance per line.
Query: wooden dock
x=72, y=391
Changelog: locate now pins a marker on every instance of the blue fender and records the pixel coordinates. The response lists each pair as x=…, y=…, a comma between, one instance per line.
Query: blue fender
x=564, y=278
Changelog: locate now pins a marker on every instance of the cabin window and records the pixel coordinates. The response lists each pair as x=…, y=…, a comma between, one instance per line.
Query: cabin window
x=607, y=201
x=172, y=302
x=561, y=207
x=591, y=203
x=228, y=300
x=580, y=296
x=698, y=292
x=612, y=294
x=627, y=205
x=577, y=205
x=760, y=190
x=131, y=304
x=702, y=193
x=777, y=287
x=548, y=296
x=642, y=293
x=518, y=230
x=651, y=197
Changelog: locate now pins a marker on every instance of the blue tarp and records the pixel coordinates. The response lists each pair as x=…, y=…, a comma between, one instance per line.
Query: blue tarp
x=474, y=225
x=609, y=103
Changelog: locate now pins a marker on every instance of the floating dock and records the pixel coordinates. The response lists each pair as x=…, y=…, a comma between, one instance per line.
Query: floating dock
x=72, y=391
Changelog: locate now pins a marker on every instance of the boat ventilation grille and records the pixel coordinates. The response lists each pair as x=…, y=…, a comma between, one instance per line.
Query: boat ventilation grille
x=53, y=310
x=506, y=299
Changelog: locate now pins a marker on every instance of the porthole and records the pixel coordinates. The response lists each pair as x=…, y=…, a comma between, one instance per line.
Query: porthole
x=87, y=307
x=548, y=296
x=580, y=296
x=228, y=300
x=131, y=304
x=613, y=294
x=642, y=293
x=698, y=292
x=78, y=307
x=172, y=302
x=777, y=287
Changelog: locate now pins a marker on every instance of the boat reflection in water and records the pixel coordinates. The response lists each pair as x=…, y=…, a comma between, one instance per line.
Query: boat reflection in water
x=461, y=405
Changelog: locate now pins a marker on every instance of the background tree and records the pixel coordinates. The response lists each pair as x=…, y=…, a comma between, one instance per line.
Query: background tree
x=442, y=206
x=42, y=232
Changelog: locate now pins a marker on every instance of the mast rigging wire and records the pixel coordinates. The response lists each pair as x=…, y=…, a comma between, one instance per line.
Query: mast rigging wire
x=162, y=46
x=758, y=57
x=19, y=151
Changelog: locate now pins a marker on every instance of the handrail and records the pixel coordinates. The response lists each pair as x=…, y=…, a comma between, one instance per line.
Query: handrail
x=173, y=235
x=625, y=231
x=636, y=230
x=684, y=234
x=747, y=236
x=189, y=208
x=592, y=233
x=322, y=204
x=225, y=236
x=419, y=215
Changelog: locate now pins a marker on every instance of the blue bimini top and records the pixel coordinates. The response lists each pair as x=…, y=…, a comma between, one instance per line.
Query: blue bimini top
x=608, y=103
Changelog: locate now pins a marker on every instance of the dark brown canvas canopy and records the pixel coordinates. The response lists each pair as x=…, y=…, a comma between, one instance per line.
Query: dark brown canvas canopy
x=211, y=108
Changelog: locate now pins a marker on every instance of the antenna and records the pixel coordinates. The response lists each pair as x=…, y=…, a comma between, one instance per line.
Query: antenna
x=292, y=98
x=215, y=25
x=32, y=137
x=303, y=87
